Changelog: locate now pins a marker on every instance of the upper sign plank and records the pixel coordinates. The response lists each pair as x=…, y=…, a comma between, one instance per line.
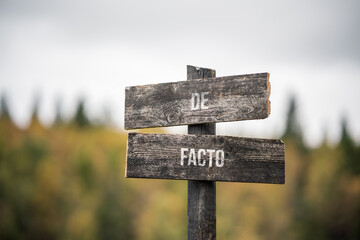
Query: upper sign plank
x=205, y=157
x=209, y=100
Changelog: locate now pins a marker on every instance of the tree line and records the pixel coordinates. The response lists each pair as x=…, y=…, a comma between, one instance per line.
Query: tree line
x=67, y=181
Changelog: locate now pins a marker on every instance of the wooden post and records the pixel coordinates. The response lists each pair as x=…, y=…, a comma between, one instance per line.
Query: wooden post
x=201, y=194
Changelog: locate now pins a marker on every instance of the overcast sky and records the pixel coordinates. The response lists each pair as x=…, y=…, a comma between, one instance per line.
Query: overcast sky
x=67, y=49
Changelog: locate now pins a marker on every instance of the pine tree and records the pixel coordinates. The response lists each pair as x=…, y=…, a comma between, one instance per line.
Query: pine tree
x=80, y=119
x=4, y=110
x=35, y=123
x=35, y=109
x=58, y=116
x=292, y=127
x=293, y=131
x=5, y=117
x=349, y=150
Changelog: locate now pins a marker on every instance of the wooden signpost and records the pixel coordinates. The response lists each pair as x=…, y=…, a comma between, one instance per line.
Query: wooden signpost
x=201, y=157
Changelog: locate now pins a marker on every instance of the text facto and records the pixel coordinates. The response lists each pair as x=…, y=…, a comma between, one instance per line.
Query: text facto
x=205, y=157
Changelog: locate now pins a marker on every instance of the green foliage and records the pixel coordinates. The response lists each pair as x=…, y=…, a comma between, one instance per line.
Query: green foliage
x=65, y=183
x=293, y=130
x=80, y=119
x=61, y=183
x=58, y=116
x=113, y=217
x=35, y=109
x=4, y=109
x=350, y=152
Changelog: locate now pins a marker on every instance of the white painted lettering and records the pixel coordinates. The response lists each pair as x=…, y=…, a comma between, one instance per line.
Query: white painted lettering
x=183, y=150
x=201, y=156
x=203, y=162
x=195, y=101
x=192, y=157
x=204, y=100
x=210, y=151
x=220, y=159
x=198, y=101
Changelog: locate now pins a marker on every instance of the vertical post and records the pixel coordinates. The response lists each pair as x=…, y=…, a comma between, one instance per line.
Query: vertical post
x=201, y=194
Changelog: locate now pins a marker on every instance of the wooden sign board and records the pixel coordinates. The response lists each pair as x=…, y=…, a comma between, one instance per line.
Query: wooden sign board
x=208, y=100
x=205, y=157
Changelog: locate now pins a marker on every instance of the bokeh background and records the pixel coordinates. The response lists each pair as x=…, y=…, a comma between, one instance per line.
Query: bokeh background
x=64, y=66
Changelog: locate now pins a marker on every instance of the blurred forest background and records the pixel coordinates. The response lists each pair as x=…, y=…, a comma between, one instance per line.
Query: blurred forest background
x=66, y=181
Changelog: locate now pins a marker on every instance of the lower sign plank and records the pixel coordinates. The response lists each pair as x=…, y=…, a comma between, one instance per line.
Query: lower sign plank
x=205, y=157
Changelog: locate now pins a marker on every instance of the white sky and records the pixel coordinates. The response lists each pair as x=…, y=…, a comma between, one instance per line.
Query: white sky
x=69, y=49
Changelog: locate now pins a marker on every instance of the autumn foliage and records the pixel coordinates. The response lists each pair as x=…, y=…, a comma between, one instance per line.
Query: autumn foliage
x=67, y=182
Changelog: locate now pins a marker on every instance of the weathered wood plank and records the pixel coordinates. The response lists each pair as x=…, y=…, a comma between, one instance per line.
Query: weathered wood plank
x=201, y=194
x=205, y=157
x=208, y=100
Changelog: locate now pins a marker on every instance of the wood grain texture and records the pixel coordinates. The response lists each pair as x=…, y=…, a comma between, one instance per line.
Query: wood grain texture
x=232, y=98
x=201, y=210
x=201, y=194
x=245, y=159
